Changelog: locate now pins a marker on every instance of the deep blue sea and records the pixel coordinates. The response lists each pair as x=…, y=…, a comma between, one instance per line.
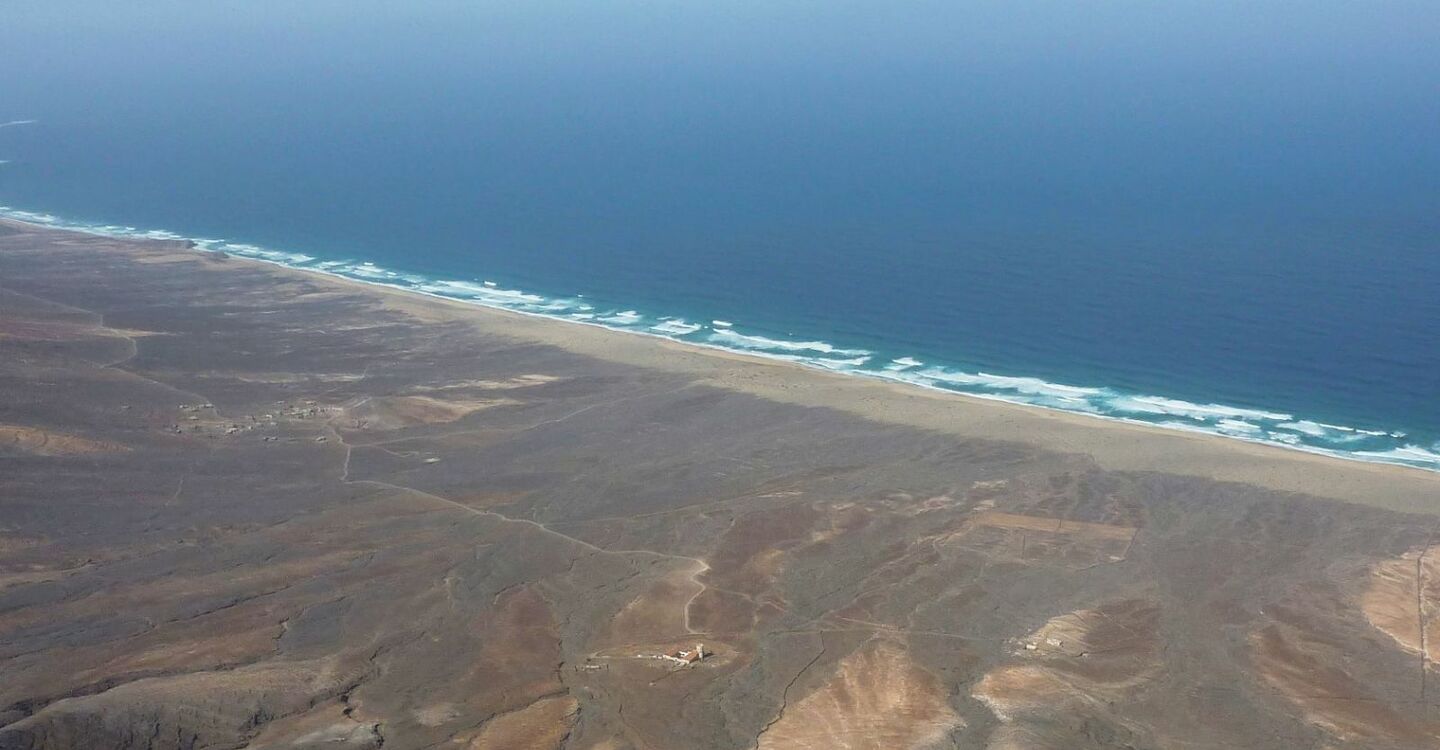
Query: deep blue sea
x=1216, y=216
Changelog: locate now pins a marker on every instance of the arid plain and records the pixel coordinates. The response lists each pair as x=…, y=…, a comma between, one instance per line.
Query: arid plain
x=243, y=506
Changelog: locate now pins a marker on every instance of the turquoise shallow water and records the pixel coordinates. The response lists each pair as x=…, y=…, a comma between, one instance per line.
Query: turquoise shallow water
x=1210, y=217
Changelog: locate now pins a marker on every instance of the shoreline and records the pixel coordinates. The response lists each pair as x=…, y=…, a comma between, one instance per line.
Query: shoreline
x=1256, y=424
x=1112, y=442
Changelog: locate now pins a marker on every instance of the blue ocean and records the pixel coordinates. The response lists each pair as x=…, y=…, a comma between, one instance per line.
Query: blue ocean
x=1212, y=216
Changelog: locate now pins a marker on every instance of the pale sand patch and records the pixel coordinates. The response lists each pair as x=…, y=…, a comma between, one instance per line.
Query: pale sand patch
x=38, y=442
x=394, y=412
x=878, y=699
x=542, y=725
x=1010, y=691
x=1076, y=662
x=293, y=377
x=1402, y=600
x=327, y=725
x=519, y=381
x=1052, y=525
x=434, y=716
x=661, y=611
x=1017, y=737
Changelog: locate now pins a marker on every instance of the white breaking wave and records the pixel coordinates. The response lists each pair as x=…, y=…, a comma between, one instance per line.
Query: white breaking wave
x=14, y=123
x=675, y=327
x=469, y=289
x=1159, y=405
x=839, y=365
x=1331, y=432
x=1409, y=454
x=1239, y=427
x=1032, y=391
x=1313, y=429
x=1032, y=386
x=1252, y=425
x=763, y=343
x=366, y=271
x=624, y=317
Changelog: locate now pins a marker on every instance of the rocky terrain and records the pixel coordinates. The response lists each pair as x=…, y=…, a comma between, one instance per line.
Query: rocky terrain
x=244, y=507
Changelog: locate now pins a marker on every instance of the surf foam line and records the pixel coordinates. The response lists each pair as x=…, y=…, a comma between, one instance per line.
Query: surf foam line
x=1239, y=423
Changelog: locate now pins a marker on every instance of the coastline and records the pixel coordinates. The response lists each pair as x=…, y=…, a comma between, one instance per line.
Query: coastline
x=1257, y=423
x=1112, y=443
